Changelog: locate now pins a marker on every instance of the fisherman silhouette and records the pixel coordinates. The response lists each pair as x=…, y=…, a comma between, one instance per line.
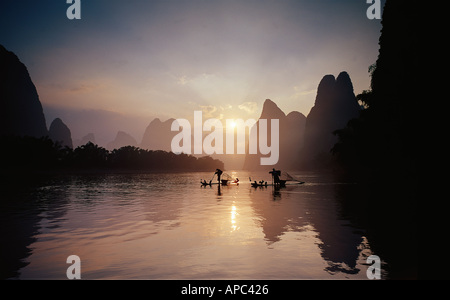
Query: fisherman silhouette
x=276, y=176
x=218, y=173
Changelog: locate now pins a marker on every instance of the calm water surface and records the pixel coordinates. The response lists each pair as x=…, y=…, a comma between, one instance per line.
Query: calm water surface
x=166, y=226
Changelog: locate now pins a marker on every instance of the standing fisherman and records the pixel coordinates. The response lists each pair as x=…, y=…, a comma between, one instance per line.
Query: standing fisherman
x=276, y=176
x=219, y=173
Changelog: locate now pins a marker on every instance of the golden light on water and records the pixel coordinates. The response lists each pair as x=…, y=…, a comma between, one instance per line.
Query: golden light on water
x=234, y=214
x=249, y=231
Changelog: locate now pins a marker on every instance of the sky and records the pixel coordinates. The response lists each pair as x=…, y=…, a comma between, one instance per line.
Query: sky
x=125, y=63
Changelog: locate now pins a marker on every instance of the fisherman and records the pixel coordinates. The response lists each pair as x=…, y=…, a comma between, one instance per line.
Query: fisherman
x=276, y=176
x=219, y=173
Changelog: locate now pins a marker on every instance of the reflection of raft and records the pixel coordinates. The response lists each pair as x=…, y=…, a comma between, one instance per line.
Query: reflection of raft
x=228, y=182
x=223, y=182
x=280, y=179
x=281, y=184
x=226, y=179
x=255, y=184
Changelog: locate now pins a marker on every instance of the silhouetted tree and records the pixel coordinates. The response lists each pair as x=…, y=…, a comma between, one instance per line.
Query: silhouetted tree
x=43, y=154
x=89, y=156
x=28, y=152
x=126, y=157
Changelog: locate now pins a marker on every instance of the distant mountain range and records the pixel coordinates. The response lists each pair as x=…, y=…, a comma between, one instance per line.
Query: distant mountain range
x=122, y=139
x=304, y=141
x=90, y=137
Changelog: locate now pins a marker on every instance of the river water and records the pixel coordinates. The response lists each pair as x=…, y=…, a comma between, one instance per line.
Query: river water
x=166, y=226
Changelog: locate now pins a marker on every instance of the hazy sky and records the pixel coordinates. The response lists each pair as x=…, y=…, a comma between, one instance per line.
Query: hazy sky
x=127, y=62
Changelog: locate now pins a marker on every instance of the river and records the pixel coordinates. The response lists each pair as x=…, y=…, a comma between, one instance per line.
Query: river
x=166, y=226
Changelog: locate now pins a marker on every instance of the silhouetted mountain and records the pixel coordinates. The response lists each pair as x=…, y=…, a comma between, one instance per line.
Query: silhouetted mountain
x=122, y=139
x=60, y=133
x=158, y=135
x=271, y=111
x=382, y=143
x=90, y=137
x=335, y=105
x=21, y=111
x=292, y=141
x=290, y=137
x=385, y=135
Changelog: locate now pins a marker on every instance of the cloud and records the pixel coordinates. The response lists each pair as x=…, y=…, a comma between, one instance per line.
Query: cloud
x=209, y=111
x=183, y=80
x=86, y=87
x=249, y=107
x=165, y=55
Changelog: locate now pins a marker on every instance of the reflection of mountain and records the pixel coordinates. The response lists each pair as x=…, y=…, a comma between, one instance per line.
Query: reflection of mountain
x=21, y=112
x=278, y=219
x=340, y=241
x=314, y=205
x=21, y=213
x=17, y=231
x=161, y=212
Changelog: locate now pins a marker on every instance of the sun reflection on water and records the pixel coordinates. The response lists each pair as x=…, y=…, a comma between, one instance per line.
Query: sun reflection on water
x=234, y=215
